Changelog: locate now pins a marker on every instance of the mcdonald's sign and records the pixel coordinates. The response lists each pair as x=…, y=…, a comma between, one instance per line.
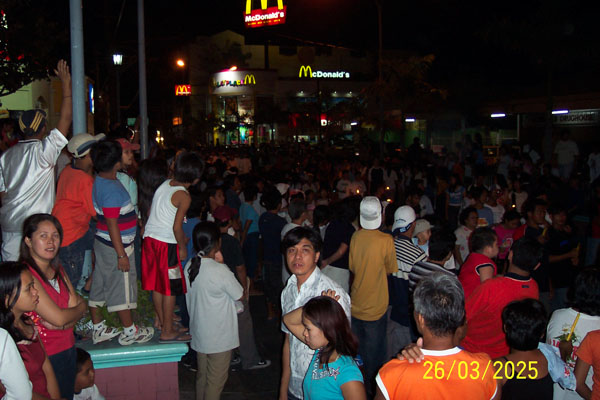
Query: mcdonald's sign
x=249, y=79
x=307, y=72
x=183, y=90
x=264, y=16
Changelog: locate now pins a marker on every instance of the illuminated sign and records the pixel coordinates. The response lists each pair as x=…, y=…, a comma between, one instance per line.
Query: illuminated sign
x=183, y=90
x=177, y=121
x=307, y=72
x=264, y=16
x=249, y=79
x=91, y=98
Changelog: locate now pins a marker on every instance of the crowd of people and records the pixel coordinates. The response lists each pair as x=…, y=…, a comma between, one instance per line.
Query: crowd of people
x=420, y=275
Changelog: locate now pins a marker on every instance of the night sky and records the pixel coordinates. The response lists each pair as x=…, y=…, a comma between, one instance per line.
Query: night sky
x=484, y=50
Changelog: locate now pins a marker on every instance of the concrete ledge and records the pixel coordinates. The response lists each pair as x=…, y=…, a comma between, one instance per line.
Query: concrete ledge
x=111, y=354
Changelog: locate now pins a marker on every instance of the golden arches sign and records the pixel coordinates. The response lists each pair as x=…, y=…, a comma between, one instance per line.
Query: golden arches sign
x=249, y=79
x=306, y=70
x=264, y=16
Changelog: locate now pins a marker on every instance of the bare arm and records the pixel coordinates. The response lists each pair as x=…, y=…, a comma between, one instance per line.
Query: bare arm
x=354, y=390
x=486, y=273
x=117, y=242
x=52, y=313
x=293, y=321
x=245, y=231
x=286, y=372
x=182, y=200
x=581, y=371
x=240, y=272
x=339, y=253
x=457, y=255
x=51, y=382
x=66, y=108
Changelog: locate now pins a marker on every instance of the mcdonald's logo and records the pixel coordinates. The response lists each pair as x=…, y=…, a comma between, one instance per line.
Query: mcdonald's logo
x=264, y=16
x=249, y=79
x=307, y=72
x=183, y=90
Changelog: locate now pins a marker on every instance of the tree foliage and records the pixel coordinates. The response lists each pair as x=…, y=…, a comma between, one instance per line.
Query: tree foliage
x=29, y=43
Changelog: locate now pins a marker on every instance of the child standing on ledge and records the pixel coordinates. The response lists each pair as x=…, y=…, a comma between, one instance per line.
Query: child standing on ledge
x=165, y=243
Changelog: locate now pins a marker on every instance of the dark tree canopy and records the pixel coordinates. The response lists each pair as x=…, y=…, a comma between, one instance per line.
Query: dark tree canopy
x=30, y=40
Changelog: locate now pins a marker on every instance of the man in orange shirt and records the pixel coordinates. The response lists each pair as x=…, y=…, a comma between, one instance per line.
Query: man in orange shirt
x=446, y=372
x=74, y=208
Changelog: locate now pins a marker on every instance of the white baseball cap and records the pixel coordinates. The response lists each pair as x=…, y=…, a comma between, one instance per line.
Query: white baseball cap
x=82, y=143
x=403, y=218
x=370, y=213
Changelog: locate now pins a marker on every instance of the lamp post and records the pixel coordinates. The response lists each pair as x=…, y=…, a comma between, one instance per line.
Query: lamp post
x=118, y=61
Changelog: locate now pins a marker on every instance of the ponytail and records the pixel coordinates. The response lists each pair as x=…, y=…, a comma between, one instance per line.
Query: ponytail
x=195, y=266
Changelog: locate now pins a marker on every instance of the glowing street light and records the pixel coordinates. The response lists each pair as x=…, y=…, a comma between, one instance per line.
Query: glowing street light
x=180, y=63
x=498, y=115
x=233, y=68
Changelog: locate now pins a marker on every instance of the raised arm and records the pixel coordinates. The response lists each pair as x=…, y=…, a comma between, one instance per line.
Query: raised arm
x=66, y=108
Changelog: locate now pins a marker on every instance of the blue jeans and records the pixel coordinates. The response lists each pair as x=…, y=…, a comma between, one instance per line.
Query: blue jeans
x=72, y=257
x=65, y=369
x=372, y=347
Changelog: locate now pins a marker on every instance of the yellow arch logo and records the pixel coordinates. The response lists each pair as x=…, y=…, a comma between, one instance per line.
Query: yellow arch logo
x=249, y=79
x=263, y=5
x=307, y=70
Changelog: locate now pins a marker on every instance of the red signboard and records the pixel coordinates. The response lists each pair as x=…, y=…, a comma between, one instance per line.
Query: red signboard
x=183, y=90
x=266, y=17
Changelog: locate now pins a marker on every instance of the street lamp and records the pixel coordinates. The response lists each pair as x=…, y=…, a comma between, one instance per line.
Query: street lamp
x=180, y=63
x=118, y=61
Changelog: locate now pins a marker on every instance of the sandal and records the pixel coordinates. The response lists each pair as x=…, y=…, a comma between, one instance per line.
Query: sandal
x=180, y=338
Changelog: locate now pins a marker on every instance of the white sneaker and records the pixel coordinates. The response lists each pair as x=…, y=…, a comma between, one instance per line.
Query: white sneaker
x=104, y=333
x=141, y=335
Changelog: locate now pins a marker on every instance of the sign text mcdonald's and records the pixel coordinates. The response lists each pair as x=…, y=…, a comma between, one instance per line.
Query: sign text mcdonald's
x=249, y=79
x=264, y=16
x=307, y=72
x=183, y=90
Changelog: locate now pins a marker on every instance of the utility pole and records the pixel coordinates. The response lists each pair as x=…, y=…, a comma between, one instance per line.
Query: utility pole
x=77, y=68
x=142, y=80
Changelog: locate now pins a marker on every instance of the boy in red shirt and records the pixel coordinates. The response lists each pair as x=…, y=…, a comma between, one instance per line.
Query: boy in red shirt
x=484, y=306
x=478, y=266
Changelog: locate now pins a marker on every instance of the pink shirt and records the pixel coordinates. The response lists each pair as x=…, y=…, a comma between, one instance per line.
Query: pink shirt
x=55, y=340
x=505, y=240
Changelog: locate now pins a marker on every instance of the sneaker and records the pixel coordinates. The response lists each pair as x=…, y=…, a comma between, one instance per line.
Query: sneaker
x=260, y=365
x=104, y=333
x=141, y=335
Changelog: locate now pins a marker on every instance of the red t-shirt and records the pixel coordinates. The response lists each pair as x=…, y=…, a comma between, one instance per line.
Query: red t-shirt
x=33, y=356
x=469, y=272
x=54, y=340
x=484, y=312
x=73, y=206
x=589, y=351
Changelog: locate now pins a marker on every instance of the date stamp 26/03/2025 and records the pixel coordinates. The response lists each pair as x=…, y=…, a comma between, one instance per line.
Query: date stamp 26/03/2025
x=475, y=370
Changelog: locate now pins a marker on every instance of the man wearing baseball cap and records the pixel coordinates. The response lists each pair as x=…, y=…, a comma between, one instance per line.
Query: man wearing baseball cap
x=372, y=258
x=27, y=169
x=407, y=254
x=74, y=207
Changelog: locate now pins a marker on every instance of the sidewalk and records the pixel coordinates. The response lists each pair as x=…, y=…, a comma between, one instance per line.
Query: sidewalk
x=260, y=384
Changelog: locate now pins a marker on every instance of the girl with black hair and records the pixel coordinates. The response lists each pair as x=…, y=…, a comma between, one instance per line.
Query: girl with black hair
x=212, y=292
x=18, y=297
x=322, y=325
x=59, y=307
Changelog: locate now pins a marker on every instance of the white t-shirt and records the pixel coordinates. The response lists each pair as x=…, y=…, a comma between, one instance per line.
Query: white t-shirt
x=211, y=303
x=594, y=164
x=566, y=151
x=560, y=324
x=90, y=393
x=426, y=206
x=498, y=212
x=462, y=240
x=291, y=298
x=13, y=374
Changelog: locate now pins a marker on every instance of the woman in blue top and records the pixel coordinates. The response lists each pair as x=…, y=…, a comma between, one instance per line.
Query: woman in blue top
x=322, y=325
